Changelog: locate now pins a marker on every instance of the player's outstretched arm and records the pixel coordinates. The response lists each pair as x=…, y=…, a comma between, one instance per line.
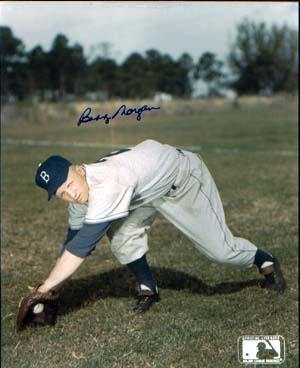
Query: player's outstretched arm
x=65, y=266
x=75, y=251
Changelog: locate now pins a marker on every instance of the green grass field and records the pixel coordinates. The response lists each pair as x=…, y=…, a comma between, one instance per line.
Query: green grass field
x=205, y=307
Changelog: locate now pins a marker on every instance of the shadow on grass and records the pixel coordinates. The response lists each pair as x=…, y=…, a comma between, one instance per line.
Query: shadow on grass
x=120, y=283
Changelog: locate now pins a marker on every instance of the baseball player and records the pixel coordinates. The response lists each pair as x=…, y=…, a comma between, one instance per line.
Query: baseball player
x=120, y=194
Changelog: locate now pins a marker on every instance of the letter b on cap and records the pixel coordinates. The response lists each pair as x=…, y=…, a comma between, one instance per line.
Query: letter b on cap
x=45, y=176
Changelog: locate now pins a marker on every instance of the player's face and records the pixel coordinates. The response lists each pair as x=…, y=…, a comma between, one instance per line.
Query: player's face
x=75, y=189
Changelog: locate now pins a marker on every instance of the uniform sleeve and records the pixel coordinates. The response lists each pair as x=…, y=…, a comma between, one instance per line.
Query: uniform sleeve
x=108, y=202
x=70, y=235
x=84, y=241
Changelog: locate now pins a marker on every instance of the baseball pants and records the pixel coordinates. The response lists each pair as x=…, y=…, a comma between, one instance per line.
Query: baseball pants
x=195, y=208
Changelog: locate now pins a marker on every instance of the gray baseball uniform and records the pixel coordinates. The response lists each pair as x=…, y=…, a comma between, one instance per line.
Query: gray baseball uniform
x=127, y=189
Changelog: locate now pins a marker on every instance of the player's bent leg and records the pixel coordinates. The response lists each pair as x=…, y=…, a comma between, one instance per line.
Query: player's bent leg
x=129, y=244
x=128, y=237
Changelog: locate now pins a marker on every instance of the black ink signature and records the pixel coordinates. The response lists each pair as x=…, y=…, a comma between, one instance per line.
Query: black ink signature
x=122, y=110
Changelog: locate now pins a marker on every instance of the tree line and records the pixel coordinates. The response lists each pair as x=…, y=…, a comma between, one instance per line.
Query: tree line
x=261, y=58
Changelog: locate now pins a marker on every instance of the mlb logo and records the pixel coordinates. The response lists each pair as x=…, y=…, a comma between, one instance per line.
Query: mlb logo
x=261, y=349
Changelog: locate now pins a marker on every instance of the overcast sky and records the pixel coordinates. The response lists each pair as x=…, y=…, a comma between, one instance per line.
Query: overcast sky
x=170, y=27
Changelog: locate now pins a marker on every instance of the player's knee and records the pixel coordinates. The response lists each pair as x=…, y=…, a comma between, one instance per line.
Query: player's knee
x=126, y=253
x=116, y=244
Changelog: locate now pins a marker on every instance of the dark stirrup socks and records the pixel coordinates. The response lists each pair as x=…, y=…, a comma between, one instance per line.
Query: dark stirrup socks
x=261, y=257
x=142, y=273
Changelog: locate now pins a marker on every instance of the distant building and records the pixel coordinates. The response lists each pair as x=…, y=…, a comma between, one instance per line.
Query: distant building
x=162, y=97
x=200, y=88
x=204, y=89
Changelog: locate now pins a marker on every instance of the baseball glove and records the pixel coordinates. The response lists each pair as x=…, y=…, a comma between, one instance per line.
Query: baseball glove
x=37, y=308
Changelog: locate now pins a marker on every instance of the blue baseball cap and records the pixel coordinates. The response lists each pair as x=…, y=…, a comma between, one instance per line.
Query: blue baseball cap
x=52, y=173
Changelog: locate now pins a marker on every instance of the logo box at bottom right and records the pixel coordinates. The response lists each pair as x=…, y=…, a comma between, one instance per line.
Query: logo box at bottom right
x=261, y=349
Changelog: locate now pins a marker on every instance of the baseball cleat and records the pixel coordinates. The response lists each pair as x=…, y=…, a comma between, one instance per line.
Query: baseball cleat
x=274, y=279
x=144, y=301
